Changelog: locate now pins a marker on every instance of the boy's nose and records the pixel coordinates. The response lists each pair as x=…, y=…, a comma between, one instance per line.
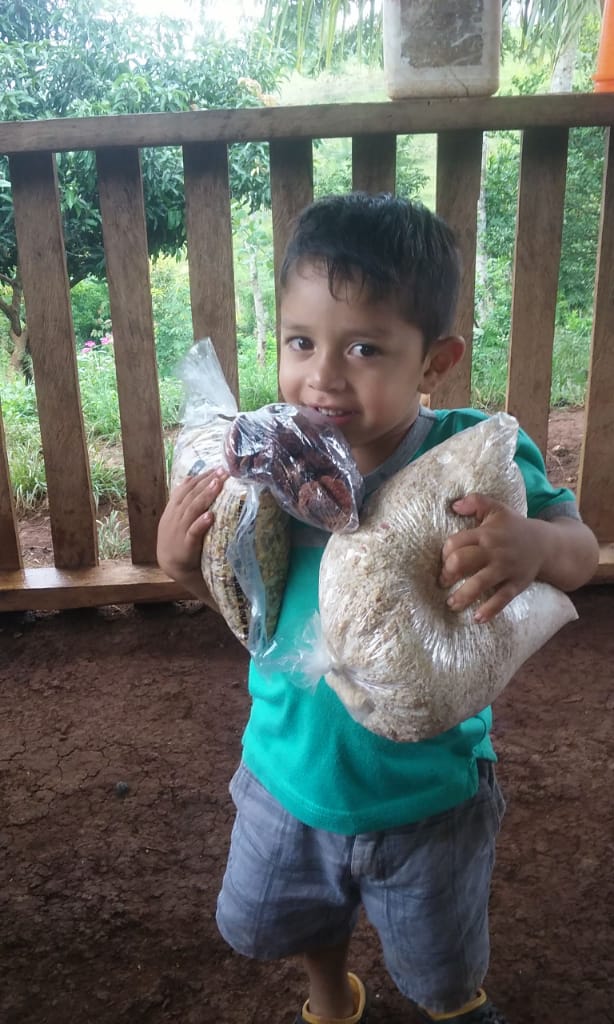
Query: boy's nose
x=325, y=374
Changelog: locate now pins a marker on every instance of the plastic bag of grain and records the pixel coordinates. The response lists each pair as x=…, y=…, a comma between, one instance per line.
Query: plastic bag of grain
x=245, y=552
x=404, y=665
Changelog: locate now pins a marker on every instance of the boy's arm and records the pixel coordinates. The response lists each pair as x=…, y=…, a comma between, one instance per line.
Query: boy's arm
x=506, y=552
x=182, y=527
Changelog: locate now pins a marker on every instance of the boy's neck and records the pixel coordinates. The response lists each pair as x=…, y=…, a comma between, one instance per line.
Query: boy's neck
x=370, y=457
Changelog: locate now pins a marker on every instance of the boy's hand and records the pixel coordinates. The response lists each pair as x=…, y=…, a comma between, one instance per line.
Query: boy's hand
x=184, y=523
x=503, y=553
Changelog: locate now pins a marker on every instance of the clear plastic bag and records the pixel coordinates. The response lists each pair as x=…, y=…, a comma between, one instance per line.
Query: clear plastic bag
x=209, y=407
x=304, y=460
x=245, y=552
x=404, y=665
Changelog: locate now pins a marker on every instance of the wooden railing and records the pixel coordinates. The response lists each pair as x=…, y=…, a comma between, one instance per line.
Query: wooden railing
x=78, y=579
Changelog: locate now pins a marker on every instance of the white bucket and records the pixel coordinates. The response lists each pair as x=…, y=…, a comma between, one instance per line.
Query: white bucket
x=441, y=47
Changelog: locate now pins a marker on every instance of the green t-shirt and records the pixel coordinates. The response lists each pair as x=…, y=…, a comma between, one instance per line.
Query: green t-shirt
x=303, y=746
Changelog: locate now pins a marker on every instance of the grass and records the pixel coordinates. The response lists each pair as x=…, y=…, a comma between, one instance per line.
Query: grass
x=257, y=384
x=113, y=536
x=102, y=428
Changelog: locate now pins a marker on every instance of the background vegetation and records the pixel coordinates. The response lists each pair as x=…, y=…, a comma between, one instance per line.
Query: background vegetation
x=68, y=58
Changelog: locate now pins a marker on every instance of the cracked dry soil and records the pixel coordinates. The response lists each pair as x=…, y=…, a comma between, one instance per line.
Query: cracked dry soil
x=107, y=893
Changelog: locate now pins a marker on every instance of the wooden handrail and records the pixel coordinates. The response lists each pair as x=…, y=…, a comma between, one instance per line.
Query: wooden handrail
x=402, y=117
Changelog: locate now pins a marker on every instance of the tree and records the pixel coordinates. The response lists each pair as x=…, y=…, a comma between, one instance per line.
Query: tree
x=553, y=27
x=321, y=34
x=72, y=58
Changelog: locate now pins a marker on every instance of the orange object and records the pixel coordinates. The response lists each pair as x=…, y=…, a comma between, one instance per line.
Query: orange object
x=604, y=75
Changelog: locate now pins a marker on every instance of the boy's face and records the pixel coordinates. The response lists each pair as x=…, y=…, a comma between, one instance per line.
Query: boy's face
x=357, y=361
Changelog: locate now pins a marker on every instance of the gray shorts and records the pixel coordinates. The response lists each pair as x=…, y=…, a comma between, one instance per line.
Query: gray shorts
x=289, y=888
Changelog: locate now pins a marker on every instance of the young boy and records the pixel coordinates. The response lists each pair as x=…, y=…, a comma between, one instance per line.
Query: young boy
x=330, y=816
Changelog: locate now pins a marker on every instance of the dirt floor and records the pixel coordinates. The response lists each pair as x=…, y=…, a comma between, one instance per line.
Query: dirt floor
x=119, y=730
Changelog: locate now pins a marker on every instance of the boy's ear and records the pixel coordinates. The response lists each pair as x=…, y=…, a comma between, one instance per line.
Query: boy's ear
x=442, y=357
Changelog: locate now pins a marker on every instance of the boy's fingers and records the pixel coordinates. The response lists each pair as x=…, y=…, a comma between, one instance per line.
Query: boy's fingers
x=200, y=525
x=201, y=495
x=495, y=604
x=190, y=484
x=478, y=505
x=461, y=563
x=472, y=589
x=462, y=539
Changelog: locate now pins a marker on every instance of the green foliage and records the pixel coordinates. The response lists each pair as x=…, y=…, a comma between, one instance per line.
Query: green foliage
x=546, y=27
x=101, y=416
x=171, y=400
x=25, y=456
x=570, y=359
x=77, y=58
x=581, y=219
x=90, y=309
x=332, y=167
x=253, y=255
x=113, y=536
x=98, y=385
x=108, y=478
x=170, y=291
x=257, y=384
x=320, y=34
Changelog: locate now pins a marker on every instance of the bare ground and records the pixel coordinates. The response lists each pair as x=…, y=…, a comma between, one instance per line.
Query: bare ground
x=107, y=894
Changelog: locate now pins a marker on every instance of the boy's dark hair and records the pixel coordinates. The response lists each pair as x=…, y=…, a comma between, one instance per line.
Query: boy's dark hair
x=394, y=248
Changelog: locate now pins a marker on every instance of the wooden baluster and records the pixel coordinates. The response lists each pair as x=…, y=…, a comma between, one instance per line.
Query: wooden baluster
x=596, y=475
x=125, y=243
x=42, y=263
x=291, y=190
x=209, y=238
x=459, y=164
x=535, y=281
x=374, y=160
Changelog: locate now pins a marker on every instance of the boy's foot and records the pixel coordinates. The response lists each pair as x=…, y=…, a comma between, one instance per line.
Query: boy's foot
x=358, y=1017
x=479, y=1011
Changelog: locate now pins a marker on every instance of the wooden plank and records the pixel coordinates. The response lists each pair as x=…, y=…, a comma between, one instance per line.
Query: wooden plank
x=42, y=261
x=326, y=120
x=459, y=164
x=537, y=257
x=111, y=582
x=10, y=551
x=291, y=190
x=209, y=238
x=605, y=570
x=125, y=244
x=120, y=582
x=596, y=473
x=374, y=163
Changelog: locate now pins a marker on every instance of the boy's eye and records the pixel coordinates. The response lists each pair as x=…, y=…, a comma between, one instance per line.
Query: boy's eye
x=299, y=344
x=364, y=350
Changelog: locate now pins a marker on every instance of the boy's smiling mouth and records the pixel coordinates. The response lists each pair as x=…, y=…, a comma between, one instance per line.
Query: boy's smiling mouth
x=339, y=415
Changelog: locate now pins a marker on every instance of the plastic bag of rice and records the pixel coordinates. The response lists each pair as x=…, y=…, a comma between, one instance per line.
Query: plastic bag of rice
x=404, y=664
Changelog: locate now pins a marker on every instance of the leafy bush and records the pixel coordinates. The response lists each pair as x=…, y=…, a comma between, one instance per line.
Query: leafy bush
x=170, y=291
x=90, y=309
x=257, y=384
